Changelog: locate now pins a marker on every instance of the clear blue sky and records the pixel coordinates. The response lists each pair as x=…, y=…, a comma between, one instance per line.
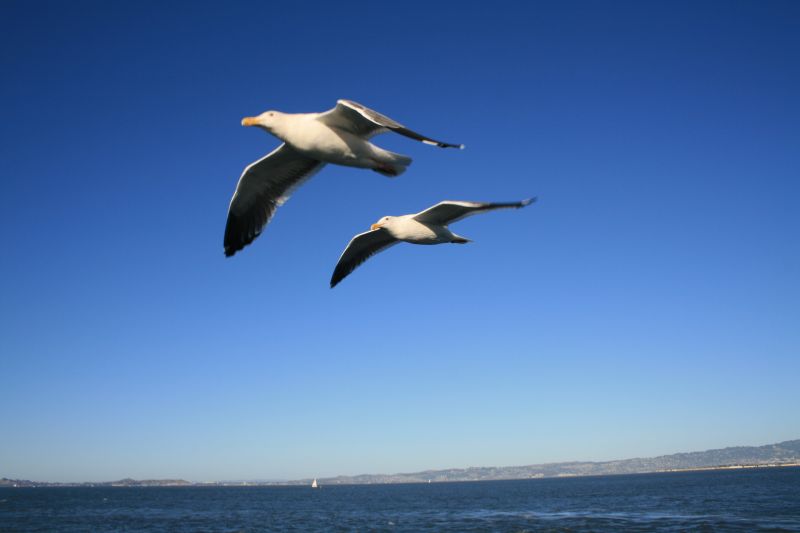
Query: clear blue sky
x=647, y=304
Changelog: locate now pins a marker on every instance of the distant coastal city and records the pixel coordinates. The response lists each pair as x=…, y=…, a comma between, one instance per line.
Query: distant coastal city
x=783, y=454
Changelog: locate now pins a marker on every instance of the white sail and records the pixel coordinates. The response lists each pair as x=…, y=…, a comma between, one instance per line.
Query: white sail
x=314, y=484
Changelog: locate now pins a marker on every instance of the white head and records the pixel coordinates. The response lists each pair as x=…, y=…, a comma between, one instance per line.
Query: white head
x=381, y=223
x=267, y=120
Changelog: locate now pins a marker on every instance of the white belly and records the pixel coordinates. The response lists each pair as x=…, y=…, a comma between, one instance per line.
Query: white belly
x=318, y=141
x=409, y=230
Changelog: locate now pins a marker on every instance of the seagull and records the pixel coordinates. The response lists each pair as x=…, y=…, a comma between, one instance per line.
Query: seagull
x=339, y=136
x=425, y=227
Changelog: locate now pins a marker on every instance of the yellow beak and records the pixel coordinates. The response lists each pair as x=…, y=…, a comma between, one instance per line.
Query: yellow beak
x=374, y=227
x=249, y=121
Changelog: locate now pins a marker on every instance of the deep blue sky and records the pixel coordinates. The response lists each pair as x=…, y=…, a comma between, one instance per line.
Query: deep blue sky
x=647, y=304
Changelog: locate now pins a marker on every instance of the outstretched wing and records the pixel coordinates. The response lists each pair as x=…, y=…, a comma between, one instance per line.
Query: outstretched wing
x=362, y=121
x=450, y=211
x=361, y=247
x=263, y=187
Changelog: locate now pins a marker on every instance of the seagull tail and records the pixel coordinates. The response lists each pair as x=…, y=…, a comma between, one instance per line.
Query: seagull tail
x=400, y=159
x=391, y=171
x=458, y=239
x=392, y=164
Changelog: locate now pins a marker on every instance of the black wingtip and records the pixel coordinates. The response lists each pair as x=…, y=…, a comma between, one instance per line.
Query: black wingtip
x=448, y=145
x=528, y=201
x=239, y=233
x=231, y=246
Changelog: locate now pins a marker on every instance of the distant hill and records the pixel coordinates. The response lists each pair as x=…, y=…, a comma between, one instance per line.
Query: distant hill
x=783, y=453
x=127, y=482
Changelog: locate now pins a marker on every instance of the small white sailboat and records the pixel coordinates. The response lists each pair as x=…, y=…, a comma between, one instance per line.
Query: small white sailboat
x=314, y=484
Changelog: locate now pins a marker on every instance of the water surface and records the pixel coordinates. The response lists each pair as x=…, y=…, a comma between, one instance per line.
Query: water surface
x=766, y=499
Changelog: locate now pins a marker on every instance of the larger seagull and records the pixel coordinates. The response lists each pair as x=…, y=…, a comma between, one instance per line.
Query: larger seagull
x=426, y=227
x=310, y=140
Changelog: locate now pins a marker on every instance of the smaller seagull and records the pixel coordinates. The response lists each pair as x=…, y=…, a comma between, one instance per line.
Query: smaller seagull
x=425, y=227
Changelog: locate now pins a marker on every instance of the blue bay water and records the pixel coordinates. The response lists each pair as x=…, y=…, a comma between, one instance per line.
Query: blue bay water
x=740, y=500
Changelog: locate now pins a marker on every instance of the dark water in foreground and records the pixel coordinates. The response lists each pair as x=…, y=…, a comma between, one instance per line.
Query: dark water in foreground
x=743, y=500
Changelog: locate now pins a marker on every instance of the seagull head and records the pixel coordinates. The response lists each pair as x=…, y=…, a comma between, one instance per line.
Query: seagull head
x=381, y=223
x=266, y=120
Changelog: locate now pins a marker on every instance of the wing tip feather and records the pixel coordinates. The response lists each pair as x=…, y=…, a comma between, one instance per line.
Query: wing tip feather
x=441, y=144
x=338, y=275
x=240, y=232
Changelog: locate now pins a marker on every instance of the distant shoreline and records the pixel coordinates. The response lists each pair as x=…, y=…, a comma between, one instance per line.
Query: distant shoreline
x=727, y=467
x=6, y=483
x=782, y=454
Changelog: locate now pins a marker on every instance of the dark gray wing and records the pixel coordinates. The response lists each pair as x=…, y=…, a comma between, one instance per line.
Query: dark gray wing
x=362, y=121
x=361, y=247
x=262, y=188
x=450, y=211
